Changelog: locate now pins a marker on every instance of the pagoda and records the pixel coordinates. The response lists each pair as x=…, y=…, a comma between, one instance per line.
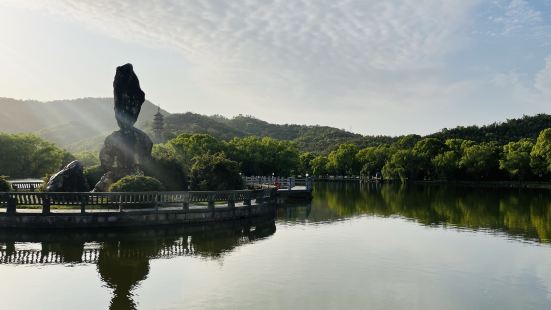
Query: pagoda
x=158, y=126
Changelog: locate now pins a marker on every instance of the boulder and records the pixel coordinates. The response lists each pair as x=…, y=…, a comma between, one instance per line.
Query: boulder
x=69, y=179
x=124, y=152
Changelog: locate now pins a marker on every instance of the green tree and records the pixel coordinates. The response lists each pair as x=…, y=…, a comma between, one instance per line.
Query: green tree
x=540, y=157
x=403, y=165
x=481, y=161
x=426, y=149
x=342, y=161
x=516, y=158
x=446, y=165
x=215, y=172
x=264, y=156
x=305, y=160
x=186, y=147
x=24, y=155
x=88, y=159
x=372, y=159
x=319, y=165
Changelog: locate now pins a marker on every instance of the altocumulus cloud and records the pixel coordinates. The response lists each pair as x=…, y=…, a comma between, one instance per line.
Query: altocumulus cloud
x=383, y=59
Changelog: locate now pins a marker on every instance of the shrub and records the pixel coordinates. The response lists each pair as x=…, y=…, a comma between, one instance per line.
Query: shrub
x=215, y=172
x=169, y=172
x=93, y=175
x=136, y=183
x=4, y=185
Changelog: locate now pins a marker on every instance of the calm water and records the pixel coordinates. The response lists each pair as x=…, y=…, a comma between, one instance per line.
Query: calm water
x=384, y=247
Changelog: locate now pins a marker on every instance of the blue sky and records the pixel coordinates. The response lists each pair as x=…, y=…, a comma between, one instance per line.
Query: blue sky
x=373, y=67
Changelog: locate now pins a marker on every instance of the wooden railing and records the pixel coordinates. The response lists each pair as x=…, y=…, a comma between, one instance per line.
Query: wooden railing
x=279, y=182
x=122, y=201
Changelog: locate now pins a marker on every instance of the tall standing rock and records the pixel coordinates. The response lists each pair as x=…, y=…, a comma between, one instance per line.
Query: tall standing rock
x=127, y=150
x=128, y=95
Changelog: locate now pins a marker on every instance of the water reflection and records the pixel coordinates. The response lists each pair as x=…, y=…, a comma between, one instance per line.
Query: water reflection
x=524, y=213
x=122, y=258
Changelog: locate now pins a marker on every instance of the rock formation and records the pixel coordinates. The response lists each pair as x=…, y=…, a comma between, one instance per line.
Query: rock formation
x=125, y=151
x=69, y=179
x=128, y=95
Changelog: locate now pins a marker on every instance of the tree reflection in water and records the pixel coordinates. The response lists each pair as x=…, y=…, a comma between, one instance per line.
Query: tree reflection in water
x=524, y=213
x=122, y=257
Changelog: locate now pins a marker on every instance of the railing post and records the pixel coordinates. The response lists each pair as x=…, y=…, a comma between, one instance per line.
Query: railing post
x=82, y=204
x=247, y=200
x=46, y=205
x=12, y=205
x=211, y=202
x=290, y=184
x=231, y=200
x=185, y=204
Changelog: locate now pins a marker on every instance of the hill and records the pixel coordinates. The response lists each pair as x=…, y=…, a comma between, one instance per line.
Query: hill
x=82, y=124
x=502, y=132
x=73, y=124
x=320, y=139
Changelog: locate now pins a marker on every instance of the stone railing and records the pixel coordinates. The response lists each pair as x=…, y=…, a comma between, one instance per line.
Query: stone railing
x=25, y=185
x=139, y=200
x=280, y=183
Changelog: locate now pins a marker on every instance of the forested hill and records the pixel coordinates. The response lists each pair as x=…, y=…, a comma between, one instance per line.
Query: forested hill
x=308, y=138
x=73, y=124
x=82, y=124
x=510, y=130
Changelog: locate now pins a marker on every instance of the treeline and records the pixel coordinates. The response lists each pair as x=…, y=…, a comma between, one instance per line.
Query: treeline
x=324, y=139
x=416, y=158
x=200, y=156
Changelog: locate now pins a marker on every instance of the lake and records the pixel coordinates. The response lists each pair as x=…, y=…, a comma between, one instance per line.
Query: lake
x=354, y=247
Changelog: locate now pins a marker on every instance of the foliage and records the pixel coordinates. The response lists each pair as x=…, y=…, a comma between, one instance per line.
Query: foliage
x=215, y=172
x=319, y=165
x=25, y=155
x=403, y=165
x=480, y=161
x=4, y=185
x=264, y=156
x=167, y=169
x=343, y=161
x=372, y=159
x=516, y=158
x=305, y=160
x=187, y=147
x=88, y=159
x=136, y=183
x=93, y=174
x=540, y=157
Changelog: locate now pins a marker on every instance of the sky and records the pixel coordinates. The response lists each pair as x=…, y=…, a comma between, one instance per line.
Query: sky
x=372, y=67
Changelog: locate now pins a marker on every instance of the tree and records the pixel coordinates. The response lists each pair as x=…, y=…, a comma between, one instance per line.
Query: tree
x=25, y=156
x=481, y=161
x=215, y=172
x=540, y=157
x=403, y=165
x=407, y=141
x=516, y=158
x=305, y=160
x=372, y=159
x=342, y=161
x=186, y=147
x=446, y=165
x=426, y=149
x=264, y=156
x=319, y=165
x=88, y=159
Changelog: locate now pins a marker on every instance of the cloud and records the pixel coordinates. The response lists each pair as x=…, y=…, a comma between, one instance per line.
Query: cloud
x=381, y=65
x=309, y=48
